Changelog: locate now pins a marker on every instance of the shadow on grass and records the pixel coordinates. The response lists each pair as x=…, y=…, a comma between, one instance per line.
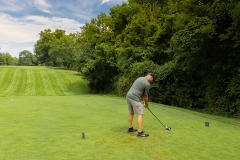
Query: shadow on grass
x=65, y=69
x=119, y=129
x=77, y=88
x=62, y=68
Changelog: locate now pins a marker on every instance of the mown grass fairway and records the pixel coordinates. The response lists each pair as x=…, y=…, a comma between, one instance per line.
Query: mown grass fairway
x=42, y=81
x=50, y=127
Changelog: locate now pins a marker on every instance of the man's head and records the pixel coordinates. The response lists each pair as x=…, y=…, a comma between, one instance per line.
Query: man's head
x=150, y=77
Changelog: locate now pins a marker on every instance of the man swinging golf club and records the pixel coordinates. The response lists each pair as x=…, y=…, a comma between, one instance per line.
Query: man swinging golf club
x=138, y=92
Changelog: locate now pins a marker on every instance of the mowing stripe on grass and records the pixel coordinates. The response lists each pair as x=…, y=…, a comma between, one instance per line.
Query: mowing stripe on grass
x=58, y=86
x=46, y=83
x=3, y=72
x=10, y=87
x=30, y=90
x=22, y=84
x=42, y=81
x=38, y=83
x=5, y=78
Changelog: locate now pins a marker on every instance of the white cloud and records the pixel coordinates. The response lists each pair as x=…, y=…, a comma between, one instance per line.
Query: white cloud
x=113, y=1
x=104, y=1
x=22, y=21
x=25, y=31
x=42, y=3
x=13, y=5
x=42, y=6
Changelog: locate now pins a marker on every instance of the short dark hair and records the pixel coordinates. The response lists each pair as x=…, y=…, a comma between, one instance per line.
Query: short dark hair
x=151, y=74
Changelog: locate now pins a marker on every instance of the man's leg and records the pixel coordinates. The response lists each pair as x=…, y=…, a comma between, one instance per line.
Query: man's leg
x=130, y=120
x=138, y=110
x=140, y=121
x=140, y=130
x=130, y=117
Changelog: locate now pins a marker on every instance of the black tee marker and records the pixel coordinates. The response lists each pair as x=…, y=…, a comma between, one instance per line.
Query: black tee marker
x=83, y=135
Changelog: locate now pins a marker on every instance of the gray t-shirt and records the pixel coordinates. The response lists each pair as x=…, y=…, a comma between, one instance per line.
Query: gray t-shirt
x=140, y=87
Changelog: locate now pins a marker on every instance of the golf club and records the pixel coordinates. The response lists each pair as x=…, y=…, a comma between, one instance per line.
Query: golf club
x=167, y=128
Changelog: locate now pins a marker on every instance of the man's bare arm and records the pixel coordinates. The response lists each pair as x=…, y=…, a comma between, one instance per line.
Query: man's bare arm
x=145, y=100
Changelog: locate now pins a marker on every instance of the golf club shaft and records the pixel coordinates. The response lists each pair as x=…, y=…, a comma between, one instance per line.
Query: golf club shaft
x=156, y=117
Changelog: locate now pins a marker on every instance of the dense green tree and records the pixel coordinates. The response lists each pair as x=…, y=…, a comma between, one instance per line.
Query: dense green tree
x=6, y=59
x=43, y=45
x=204, y=59
x=97, y=60
x=148, y=9
x=15, y=61
x=195, y=44
x=63, y=50
x=9, y=59
x=121, y=16
x=2, y=59
x=34, y=60
x=25, y=58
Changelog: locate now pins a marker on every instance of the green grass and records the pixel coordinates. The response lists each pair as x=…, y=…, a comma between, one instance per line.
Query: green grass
x=40, y=81
x=50, y=127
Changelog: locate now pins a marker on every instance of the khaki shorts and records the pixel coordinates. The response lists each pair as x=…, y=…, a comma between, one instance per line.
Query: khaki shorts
x=134, y=107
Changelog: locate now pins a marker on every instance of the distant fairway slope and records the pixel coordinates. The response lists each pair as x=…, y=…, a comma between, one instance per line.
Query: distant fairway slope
x=39, y=81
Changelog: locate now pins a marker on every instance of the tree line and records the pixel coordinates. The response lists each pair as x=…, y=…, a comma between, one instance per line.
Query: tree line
x=7, y=59
x=191, y=46
x=26, y=58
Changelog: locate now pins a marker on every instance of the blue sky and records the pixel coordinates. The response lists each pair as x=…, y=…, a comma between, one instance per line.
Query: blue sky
x=21, y=21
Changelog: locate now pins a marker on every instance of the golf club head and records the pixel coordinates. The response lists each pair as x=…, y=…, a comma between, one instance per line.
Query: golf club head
x=168, y=128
